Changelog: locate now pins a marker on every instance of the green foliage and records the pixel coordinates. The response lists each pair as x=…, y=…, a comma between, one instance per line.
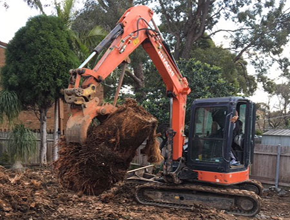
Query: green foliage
x=31, y=3
x=9, y=105
x=104, y=13
x=204, y=80
x=4, y=158
x=268, y=84
x=85, y=42
x=235, y=72
x=64, y=11
x=37, y=61
x=35, y=4
x=264, y=31
x=22, y=143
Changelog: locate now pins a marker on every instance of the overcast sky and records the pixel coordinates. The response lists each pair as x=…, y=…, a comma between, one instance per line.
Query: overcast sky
x=18, y=13
x=13, y=18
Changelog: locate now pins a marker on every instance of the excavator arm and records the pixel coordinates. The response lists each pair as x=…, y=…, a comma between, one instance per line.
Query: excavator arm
x=132, y=30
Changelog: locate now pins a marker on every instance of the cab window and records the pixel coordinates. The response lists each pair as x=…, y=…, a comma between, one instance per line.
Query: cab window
x=208, y=136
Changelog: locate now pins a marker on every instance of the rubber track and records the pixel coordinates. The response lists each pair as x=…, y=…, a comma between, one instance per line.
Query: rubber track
x=256, y=183
x=214, y=191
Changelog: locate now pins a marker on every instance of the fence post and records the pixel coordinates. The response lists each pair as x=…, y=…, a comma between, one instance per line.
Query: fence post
x=278, y=167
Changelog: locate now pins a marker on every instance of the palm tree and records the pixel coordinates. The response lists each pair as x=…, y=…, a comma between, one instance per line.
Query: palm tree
x=82, y=41
x=64, y=11
x=22, y=142
x=9, y=106
x=21, y=145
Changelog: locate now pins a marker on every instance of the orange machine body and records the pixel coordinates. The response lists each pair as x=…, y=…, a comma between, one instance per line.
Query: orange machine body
x=223, y=178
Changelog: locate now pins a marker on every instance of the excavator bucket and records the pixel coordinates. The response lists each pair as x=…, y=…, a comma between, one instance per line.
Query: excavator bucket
x=77, y=127
x=82, y=117
x=79, y=122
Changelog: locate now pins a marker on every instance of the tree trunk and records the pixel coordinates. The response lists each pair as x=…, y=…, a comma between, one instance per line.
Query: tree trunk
x=43, y=136
x=140, y=83
x=56, y=130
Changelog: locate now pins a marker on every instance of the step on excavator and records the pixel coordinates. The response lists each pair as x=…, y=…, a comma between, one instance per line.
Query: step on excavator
x=199, y=171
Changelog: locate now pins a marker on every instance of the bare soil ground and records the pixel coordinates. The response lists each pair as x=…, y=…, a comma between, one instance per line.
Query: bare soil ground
x=37, y=194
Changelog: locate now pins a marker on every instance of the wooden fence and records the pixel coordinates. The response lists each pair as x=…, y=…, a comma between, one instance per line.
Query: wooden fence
x=271, y=164
x=35, y=159
x=263, y=169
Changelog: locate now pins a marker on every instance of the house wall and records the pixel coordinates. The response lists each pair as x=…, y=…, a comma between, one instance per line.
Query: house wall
x=2, y=53
x=2, y=57
x=276, y=140
x=31, y=120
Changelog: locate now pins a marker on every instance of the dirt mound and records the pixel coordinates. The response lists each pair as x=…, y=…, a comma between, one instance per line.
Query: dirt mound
x=109, y=149
x=22, y=194
x=36, y=194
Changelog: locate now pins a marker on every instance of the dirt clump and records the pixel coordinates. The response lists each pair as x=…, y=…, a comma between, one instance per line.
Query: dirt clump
x=108, y=151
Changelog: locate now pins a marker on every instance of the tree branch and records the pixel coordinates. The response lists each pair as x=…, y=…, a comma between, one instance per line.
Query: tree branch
x=226, y=30
x=136, y=79
x=169, y=19
x=242, y=51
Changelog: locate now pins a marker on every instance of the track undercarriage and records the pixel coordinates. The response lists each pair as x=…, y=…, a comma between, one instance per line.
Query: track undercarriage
x=241, y=199
x=186, y=196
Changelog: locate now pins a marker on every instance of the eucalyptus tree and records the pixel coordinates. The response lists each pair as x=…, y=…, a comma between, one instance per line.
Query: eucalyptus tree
x=234, y=72
x=260, y=29
x=31, y=3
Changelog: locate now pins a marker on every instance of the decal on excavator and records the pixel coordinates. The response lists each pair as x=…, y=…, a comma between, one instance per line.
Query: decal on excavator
x=166, y=63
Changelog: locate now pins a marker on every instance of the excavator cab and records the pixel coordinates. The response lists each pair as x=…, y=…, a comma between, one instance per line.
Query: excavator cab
x=215, y=140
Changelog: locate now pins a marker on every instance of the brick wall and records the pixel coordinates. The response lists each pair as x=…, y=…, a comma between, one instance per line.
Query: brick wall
x=30, y=119
x=2, y=53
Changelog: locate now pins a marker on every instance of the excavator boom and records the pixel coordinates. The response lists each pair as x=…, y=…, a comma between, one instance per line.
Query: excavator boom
x=132, y=30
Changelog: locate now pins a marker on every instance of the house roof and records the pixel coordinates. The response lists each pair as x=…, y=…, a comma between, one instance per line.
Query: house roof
x=2, y=44
x=277, y=132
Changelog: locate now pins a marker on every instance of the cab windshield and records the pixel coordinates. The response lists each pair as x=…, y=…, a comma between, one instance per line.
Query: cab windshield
x=208, y=136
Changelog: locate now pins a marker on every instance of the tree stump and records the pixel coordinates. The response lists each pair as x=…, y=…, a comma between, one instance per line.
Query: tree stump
x=110, y=147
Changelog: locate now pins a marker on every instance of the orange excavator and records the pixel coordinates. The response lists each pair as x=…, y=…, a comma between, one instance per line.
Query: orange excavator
x=197, y=172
